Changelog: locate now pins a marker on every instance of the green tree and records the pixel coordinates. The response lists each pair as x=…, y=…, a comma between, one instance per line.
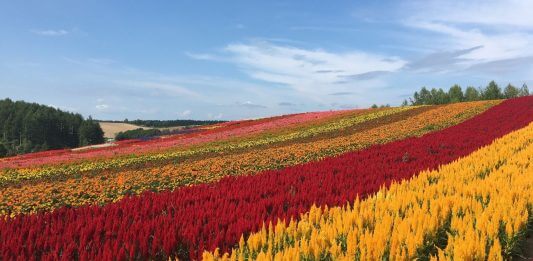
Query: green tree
x=455, y=93
x=3, y=150
x=442, y=97
x=425, y=96
x=91, y=133
x=416, y=99
x=524, y=91
x=492, y=92
x=28, y=127
x=374, y=106
x=510, y=91
x=405, y=103
x=471, y=94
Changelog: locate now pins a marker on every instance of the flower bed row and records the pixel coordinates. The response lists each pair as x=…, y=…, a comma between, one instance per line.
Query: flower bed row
x=189, y=220
x=202, y=135
x=105, y=187
x=476, y=208
x=15, y=175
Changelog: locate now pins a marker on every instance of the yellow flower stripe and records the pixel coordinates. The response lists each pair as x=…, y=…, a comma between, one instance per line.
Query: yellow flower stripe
x=110, y=187
x=475, y=208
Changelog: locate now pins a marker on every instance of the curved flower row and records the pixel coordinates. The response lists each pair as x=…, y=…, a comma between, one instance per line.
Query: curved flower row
x=15, y=175
x=476, y=208
x=111, y=186
x=198, y=135
x=189, y=220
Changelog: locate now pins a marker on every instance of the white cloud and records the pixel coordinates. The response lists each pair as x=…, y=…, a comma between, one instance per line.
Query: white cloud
x=251, y=105
x=307, y=70
x=50, y=32
x=495, y=45
x=502, y=29
x=202, y=56
x=511, y=14
x=185, y=113
x=102, y=107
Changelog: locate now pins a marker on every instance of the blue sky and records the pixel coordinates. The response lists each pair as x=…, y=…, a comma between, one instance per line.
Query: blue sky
x=248, y=59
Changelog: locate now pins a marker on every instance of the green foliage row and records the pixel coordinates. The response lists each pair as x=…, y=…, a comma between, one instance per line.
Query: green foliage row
x=139, y=133
x=455, y=94
x=30, y=127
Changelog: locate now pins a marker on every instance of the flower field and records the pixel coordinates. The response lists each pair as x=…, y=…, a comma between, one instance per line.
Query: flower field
x=103, y=187
x=428, y=182
x=409, y=218
x=200, y=135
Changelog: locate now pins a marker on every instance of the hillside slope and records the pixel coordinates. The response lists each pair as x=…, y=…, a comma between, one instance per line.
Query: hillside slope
x=222, y=186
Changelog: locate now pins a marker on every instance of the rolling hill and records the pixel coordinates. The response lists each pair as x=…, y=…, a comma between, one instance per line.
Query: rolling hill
x=395, y=182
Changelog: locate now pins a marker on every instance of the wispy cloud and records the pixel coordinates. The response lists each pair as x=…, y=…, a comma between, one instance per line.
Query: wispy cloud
x=341, y=93
x=50, y=32
x=102, y=107
x=305, y=70
x=185, y=113
x=286, y=104
x=250, y=105
x=441, y=61
x=366, y=75
x=202, y=56
x=475, y=32
x=511, y=14
x=329, y=71
x=504, y=65
x=494, y=45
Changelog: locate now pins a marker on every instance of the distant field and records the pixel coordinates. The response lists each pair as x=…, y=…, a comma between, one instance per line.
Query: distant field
x=112, y=128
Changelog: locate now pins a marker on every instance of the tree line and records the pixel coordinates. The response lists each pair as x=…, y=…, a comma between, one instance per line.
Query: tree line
x=139, y=133
x=145, y=134
x=30, y=127
x=455, y=94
